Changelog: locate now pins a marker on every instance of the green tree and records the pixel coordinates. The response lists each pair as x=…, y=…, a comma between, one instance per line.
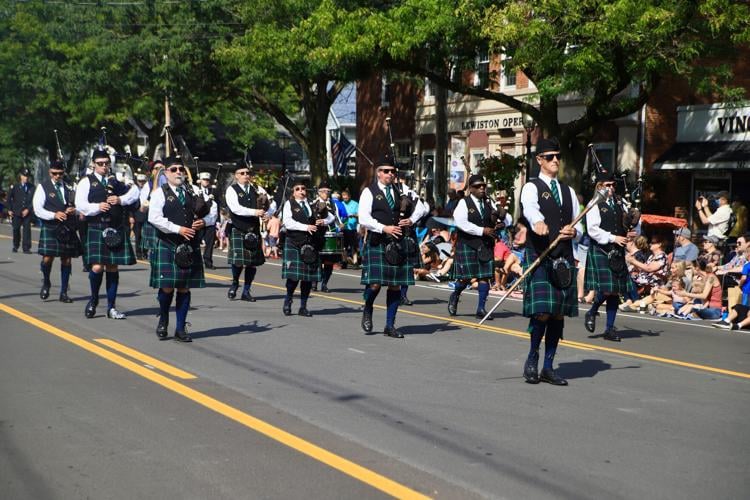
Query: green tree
x=609, y=54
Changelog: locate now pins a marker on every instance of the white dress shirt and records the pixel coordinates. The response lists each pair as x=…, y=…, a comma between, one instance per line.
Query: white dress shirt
x=593, y=221
x=38, y=202
x=156, y=211
x=233, y=203
x=144, y=192
x=90, y=209
x=366, y=219
x=293, y=225
x=530, y=202
x=461, y=216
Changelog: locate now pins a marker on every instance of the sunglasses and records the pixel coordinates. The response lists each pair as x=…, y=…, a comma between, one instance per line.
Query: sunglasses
x=55, y=173
x=101, y=163
x=550, y=156
x=300, y=188
x=388, y=170
x=478, y=185
x=609, y=185
x=244, y=172
x=175, y=169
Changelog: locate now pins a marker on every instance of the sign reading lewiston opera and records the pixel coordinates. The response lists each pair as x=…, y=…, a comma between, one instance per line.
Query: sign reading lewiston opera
x=511, y=121
x=713, y=122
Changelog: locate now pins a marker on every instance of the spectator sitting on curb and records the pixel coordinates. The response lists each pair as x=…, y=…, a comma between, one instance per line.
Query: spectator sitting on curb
x=738, y=317
x=684, y=250
x=707, y=302
x=653, y=272
x=735, y=265
x=710, y=253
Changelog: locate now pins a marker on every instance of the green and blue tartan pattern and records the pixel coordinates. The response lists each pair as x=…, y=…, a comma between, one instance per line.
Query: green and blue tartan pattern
x=466, y=264
x=239, y=256
x=601, y=278
x=50, y=246
x=376, y=270
x=540, y=296
x=166, y=274
x=294, y=269
x=96, y=252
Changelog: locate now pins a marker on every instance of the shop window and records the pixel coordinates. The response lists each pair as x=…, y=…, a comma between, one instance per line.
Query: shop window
x=385, y=92
x=482, y=74
x=507, y=76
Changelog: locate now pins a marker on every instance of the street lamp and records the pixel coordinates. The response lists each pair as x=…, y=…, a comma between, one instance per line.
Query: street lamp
x=283, y=141
x=529, y=125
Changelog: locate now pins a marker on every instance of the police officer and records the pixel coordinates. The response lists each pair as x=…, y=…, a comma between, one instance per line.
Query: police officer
x=208, y=233
x=19, y=209
x=172, y=212
x=301, y=256
x=379, y=214
x=102, y=199
x=606, y=270
x=245, y=251
x=474, y=255
x=54, y=205
x=550, y=207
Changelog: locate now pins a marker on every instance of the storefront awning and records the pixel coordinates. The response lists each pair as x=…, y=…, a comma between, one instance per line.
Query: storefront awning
x=732, y=155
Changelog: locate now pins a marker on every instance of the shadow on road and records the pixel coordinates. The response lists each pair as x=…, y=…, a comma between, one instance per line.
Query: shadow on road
x=428, y=329
x=252, y=327
x=631, y=334
x=586, y=368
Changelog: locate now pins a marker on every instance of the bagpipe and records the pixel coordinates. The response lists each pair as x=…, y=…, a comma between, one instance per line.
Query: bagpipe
x=399, y=248
x=67, y=230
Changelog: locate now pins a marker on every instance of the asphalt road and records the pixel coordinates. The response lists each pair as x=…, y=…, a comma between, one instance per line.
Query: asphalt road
x=262, y=405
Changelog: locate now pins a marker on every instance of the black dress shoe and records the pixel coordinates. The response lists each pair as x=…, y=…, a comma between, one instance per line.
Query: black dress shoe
x=44, y=292
x=90, y=310
x=287, y=309
x=28, y=252
x=247, y=297
x=324, y=289
x=65, y=299
x=482, y=313
x=210, y=266
x=304, y=312
x=161, y=328
x=392, y=332
x=314, y=287
x=549, y=376
x=610, y=335
x=15, y=250
x=453, y=304
x=531, y=370
x=232, y=292
x=406, y=302
x=367, y=321
x=589, y=322
x=182, y=336
x=85, y=269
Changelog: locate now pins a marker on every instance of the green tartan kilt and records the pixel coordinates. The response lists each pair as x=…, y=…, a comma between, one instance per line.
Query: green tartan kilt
x=148, y=236
x=165, y=273
x=601, y=278
x=376, y=270
x=238, y=256
x=293, y=267
x=96, y=252
x=466, y=264
x=540, y=296
x=50, y=246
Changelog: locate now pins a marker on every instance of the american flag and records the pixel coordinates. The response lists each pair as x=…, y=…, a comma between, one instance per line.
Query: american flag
x=341, y=150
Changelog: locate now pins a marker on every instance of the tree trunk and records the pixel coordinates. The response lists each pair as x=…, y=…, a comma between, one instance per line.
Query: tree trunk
x=440, y=173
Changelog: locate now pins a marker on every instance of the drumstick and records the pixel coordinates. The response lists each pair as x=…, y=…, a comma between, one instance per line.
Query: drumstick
x=599, y=196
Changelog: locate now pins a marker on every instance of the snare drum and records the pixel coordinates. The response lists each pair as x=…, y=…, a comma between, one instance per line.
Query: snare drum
x=333, y=245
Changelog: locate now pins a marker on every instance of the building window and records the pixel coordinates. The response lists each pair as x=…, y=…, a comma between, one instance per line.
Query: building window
x=507, y=77
x=385, y=92
x=605, y=151
x=403, y=149
x=482, y=74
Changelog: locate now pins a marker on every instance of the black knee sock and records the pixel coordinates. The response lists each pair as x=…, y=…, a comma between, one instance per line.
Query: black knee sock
x=249, y=277
x=165, y=301
x=46, y=270
x=291, y=286
x=537, y=328
x=327, y=272
x=65, y=277
x=95, y=281
x=113, y=279
x=554, y=334
x=305, y=288
x=236, y=271
x=370, y=295
x=613, y=301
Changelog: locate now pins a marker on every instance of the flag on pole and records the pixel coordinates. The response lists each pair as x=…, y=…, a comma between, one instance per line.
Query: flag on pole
x=341, y=150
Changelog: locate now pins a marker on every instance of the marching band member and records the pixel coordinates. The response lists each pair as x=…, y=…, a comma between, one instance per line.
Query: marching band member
x=176, y=262
x=606, y=270
x=54, y=203
x=208, y=234
x=474, y=255
x=140, y=216
x=382, y=264
x=549, y=206
x=420, y=210
x=148, y=232
x=245, y=248
x=327, y=261
x=102, y=198
x=301, y=256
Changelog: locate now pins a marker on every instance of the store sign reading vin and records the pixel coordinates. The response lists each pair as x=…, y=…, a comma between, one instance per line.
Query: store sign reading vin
x=493, y=123
x=734, y=124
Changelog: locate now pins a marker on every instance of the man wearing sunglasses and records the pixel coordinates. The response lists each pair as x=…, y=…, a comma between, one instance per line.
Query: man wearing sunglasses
x=97, y=197
x=19, y=209
x=549, y=207
x=242, y=201
x=53, y=204
x=379, y=214
x=172, y=213
x=473, y=258
x=606, y=270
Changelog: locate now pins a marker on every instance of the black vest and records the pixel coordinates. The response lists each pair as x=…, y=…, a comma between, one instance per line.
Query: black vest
x=474, y=217
x=177, y=213
x=246, y=223
x=611, y=219
x=555, y=217
x=52, y=201
x=298, y=238
x=381, y=211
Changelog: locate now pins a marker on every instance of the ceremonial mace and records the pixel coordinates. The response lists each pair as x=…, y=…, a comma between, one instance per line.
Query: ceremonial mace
x=599, y=196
